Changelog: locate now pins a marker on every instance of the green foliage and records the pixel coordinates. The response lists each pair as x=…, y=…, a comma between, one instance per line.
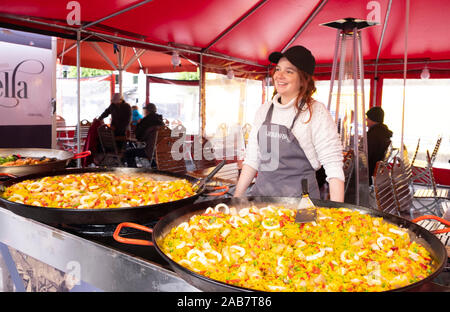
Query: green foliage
x=87, y=72
x=188, y=75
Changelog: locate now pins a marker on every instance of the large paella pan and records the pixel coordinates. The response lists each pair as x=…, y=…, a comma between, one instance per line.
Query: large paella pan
x=405, y=246
x=23, y=161
x=136, y=202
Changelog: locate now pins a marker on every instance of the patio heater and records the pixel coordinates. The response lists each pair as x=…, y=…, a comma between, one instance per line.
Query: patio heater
x=346, y=104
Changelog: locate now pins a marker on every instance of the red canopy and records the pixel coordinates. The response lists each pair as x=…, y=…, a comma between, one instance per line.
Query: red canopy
x=104, y=55
x=243, y=32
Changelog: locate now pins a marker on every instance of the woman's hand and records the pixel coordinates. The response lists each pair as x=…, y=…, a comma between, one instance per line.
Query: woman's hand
x=336, y=190
x=246, y=177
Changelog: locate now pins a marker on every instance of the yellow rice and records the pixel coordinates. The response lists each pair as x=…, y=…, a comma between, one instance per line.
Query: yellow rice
x=264, y=249
x=97, y=190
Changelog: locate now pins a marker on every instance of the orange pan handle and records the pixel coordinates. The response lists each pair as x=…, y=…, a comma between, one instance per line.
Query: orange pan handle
x=132, y=241
x=81, y=155
x=225, y=189
x=8, y=175
x=447, y=223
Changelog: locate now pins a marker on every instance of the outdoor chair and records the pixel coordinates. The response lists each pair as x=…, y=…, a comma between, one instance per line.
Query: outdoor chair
x=110, y=155
x=72, y=145
x=401, y=183
x=421, y=173
x=415, y=153
x=163, y=132
x=166, y=160
x=202, y=153
x=389, y=154
x=384, y=191
x=149, y=145
x=60, y=121
x=430, y=198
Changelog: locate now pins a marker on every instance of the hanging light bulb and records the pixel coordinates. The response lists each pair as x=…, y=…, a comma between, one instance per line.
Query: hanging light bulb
x=175, y=59
x=230, y=73
x=425, y=74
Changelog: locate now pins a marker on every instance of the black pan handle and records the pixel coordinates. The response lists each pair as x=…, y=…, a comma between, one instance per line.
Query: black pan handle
x=210, y=175
x=305, y=187
x=213, y=173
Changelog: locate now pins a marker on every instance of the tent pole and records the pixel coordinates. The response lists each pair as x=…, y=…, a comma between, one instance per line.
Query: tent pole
x=99, y=50
x=150, y=44
x=147, y=88
x=202, y=97
x=375, y=82
x=116, y=13
x=120, y=67
x=78, y=96
x=404, y=75
x=333, y=71
x=236, y=23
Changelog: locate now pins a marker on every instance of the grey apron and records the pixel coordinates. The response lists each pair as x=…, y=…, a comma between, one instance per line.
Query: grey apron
x=283, y=162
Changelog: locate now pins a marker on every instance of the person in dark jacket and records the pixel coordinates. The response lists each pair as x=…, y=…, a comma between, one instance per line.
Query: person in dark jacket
x=120, y=112
x=146, y=131
x=378, y=138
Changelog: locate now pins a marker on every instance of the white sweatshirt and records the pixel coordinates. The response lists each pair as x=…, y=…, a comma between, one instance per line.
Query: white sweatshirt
x=318, y=137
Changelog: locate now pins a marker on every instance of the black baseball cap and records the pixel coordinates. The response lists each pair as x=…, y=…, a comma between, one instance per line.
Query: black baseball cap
x=299, y=56
x=151, y=107
x=376, y=114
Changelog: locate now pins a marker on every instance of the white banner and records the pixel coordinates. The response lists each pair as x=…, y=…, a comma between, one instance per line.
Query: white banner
x=26, y=74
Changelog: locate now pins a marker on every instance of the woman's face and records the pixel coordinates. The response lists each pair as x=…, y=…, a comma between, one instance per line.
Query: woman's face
x=286, y=79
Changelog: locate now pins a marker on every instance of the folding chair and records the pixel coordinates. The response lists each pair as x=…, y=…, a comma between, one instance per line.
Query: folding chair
x=415, y=153
x=384, y=191
x=167, y=160
x=83, y=128
x=110, y=156
x=421, y=172
x=430, y=198
x=202, y=153
x=169, y=152
x=439, y=227
x=401, y=183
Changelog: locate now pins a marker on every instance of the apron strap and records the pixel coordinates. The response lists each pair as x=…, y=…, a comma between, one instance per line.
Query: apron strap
x=270, y=112
x=297, y=114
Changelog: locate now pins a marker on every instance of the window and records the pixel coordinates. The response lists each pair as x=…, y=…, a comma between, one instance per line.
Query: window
x=177, y=103
x=230, y=104
x=95, y=98
x=230, y=101
x=323, y=91
x=427, y=111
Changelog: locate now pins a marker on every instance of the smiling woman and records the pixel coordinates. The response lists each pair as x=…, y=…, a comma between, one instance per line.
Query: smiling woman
x=293, y=135
x=287, y=81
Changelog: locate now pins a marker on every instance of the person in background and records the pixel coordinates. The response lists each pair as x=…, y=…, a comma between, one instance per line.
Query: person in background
x=378, y=138
x=146, y=131
x=136, y=116
x=120, y=112
x=292, y=135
